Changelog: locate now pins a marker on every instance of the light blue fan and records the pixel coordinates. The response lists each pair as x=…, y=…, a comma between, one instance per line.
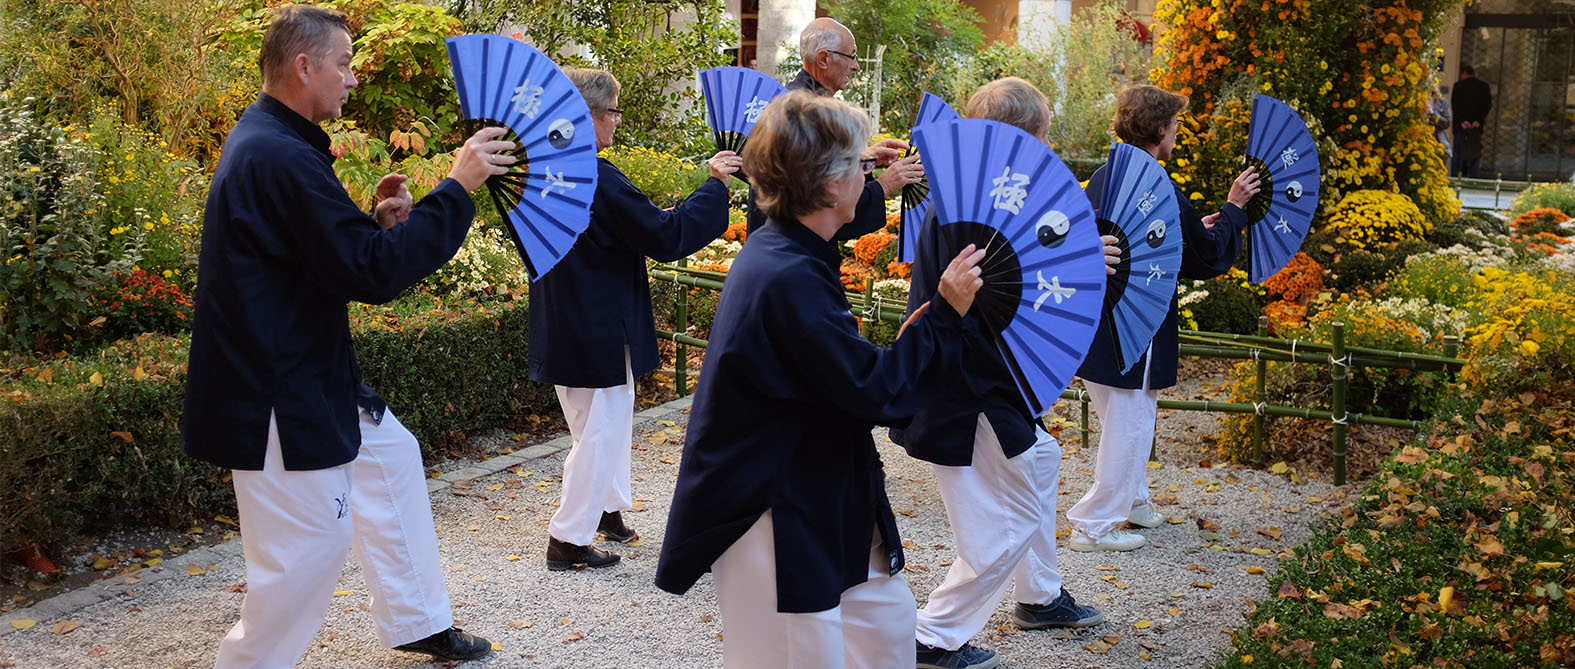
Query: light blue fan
x=734, y=99
x=1138, y=206
x=1004, y=191
x=915, y=197
x=1281, y=147
x=546, y=197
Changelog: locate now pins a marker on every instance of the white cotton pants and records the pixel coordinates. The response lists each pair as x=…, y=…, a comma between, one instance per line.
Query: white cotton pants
x=1002, y=513
x=1126, y=419
x=596, y=473
x=872, y=627
x=298, y=526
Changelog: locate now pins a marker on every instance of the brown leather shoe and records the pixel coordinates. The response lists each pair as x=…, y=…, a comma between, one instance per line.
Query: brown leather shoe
x=562, y=556
x=613, y=528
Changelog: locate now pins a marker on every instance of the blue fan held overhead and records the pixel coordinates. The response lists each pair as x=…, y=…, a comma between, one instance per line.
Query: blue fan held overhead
x=546, y=197
x=1138, y=206
x=734, y=98
x=1005, y=191
x=915, y=197
x=1282, y=149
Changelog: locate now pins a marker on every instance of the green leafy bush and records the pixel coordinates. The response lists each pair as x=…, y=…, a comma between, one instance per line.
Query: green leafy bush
x=1560, y=196
x=1231, y=305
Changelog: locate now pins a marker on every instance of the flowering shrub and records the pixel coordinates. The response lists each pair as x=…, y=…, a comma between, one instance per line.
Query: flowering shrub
x=486, y=264
x=153, y=198
x=662, y=176
x=1526, y=338
x=1370, y=219
x=142, y=302
x=1300, y=279
x=1538, y=221
x=1442, y=278
x=868, y=247
x=1560, y=196
x=1228, y=303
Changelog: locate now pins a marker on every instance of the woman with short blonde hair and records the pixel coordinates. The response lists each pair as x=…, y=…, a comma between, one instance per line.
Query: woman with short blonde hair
x=781, y=492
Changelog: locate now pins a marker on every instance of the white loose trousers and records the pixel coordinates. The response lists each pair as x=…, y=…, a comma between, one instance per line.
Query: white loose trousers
x=298, y=526
x=872, y=628
x=1003, y=515
x=1126, y=419
x=596, y=473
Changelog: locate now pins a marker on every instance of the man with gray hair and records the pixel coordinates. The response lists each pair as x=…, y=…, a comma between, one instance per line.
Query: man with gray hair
x=273, y=391
x=827, y=49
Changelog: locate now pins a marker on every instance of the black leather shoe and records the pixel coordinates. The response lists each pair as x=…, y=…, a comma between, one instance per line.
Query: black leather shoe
x=613, y=528
x=450, y=644
x=562, y=556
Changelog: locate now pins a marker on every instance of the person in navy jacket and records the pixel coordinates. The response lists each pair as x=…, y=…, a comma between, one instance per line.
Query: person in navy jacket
x=996, y=466
x=592, y=333
x=1127, y=403
x=273, y=391
x=781, y=492
x=827, y=49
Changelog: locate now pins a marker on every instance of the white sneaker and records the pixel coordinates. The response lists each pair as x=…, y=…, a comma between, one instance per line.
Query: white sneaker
x=1114, y=540
x=1144, y=515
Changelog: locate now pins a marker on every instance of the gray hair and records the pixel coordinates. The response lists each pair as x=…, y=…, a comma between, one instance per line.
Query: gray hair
x=1012, y=101
x=598, y=87
x=826, y=36
x=294, y=30
x=802, y=144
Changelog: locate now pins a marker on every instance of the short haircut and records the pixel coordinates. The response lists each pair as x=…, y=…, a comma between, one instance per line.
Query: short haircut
x=1467, y=69
x=814, y=39
x=1012, y=101
x=297, y=29
x=598, y=87
x=803, y=143
x=1143, y=113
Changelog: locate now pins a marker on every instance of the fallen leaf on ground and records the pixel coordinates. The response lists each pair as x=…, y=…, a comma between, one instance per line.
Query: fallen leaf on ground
x=65, y=627
x=1143, y=624
x=23, y=623
x=1255, y=570
x=194, y=570
x=574, y=637
x=513, y=558
x=665, y=461
x=1107, y=567
x=520, y=623
x=341, y=592
x=497, y=645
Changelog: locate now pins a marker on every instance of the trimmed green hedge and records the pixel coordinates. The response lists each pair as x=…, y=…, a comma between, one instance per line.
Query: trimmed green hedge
x=94, y=440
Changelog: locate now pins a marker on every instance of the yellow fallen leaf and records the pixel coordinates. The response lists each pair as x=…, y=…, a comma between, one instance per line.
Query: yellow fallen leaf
x=503, y=517
x=103, y=563
x=1261, y=551
x=1446, y=595
x=474, y=528
x=1153, y=464
x=96, y=379
x=153, y=562
x=1255, y=570
x=341, y=592
x=1175, y=520
x=1174, y=612
x=224, y=519
x=1144, y=656
x=665, y=461
x=65, y=627
x=520, y=623
x=194, y=570
x=138, y=374
x=23, y=623
x=1549, y=565
x=495, y=486
x=1143, y=624
x=1107, y=567
x=496, y=645
x=1279, y=468
x=513, y=558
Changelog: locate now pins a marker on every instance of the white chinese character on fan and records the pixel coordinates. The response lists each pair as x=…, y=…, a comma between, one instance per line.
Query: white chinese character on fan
x=1148, y=202
x=1289, y=157
x=554, y=181
x=1284, y=226
x=1154, y=272
x=753, y=109
x=527, y=99
x=1052, y=287
x=1009, y=190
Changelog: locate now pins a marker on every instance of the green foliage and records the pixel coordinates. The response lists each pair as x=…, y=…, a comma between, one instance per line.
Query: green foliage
x=1457, y=554
x=1230, y=306
x=1079, y=71
x=487, y=264
x=662, y=176
x=153, y=199
x=51, y=243
x=648, y=46
x=1560, y=196
x=93, y=441
x=166, y=65
x=928, y=46
x=402, y=65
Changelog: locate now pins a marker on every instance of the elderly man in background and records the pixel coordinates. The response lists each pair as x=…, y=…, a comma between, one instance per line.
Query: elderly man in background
x=827, y=49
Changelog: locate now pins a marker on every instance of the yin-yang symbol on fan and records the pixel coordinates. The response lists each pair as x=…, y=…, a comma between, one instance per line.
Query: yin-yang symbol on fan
x=560, y=134
x=1293, y=191
x=1156, y=233
x=1052, y=228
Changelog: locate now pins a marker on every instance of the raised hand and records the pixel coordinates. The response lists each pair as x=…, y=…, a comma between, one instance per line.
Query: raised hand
x=1247, y=184
x=482, y=156
x=960, y=282
x=901, y=173
x=724, y=164
x=393, y=201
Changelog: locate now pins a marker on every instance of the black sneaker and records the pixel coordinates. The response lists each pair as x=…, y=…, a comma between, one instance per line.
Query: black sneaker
x=613, y=528
x=563, y=556
x=450, y=644
x=1063, y=612
x=966, y=657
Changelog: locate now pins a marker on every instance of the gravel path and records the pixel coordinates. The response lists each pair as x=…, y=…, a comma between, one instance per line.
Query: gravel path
x=1171, y=602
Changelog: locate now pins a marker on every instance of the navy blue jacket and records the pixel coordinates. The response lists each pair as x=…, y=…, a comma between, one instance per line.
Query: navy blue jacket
x=1205, y=254
x=869, y=216
x=943, y=433
x=284, y=250
x=782, y=421
x=597, y=299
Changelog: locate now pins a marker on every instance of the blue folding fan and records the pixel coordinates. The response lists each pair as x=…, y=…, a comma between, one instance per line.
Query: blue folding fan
x=546, y=196
x=915, y=197
x=734, y=98
x=1282, y=149
x=1138, y=206
x=1004, y=191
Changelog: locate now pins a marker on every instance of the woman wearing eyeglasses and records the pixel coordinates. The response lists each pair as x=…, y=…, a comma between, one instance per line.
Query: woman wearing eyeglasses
x=592, y=333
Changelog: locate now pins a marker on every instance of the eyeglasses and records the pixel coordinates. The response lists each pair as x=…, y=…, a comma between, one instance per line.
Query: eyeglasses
x=866, y=165
x=848, y=56
x=615, y=110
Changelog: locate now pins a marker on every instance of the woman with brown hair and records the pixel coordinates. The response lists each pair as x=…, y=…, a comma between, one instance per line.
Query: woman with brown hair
x=1127, y=402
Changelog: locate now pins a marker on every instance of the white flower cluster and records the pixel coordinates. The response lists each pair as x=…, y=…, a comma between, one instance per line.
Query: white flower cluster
x=1434, y=319
x=1190, y=294
x=892, y=289
x=1474, y=260
x=486, y=259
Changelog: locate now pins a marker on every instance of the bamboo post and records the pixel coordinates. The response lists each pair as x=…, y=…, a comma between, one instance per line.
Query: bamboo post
x=1337, y=365
x=681, y=325
x=869, y=296
x=1451, y=350
x=1259, y=398
x=1083, y=396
